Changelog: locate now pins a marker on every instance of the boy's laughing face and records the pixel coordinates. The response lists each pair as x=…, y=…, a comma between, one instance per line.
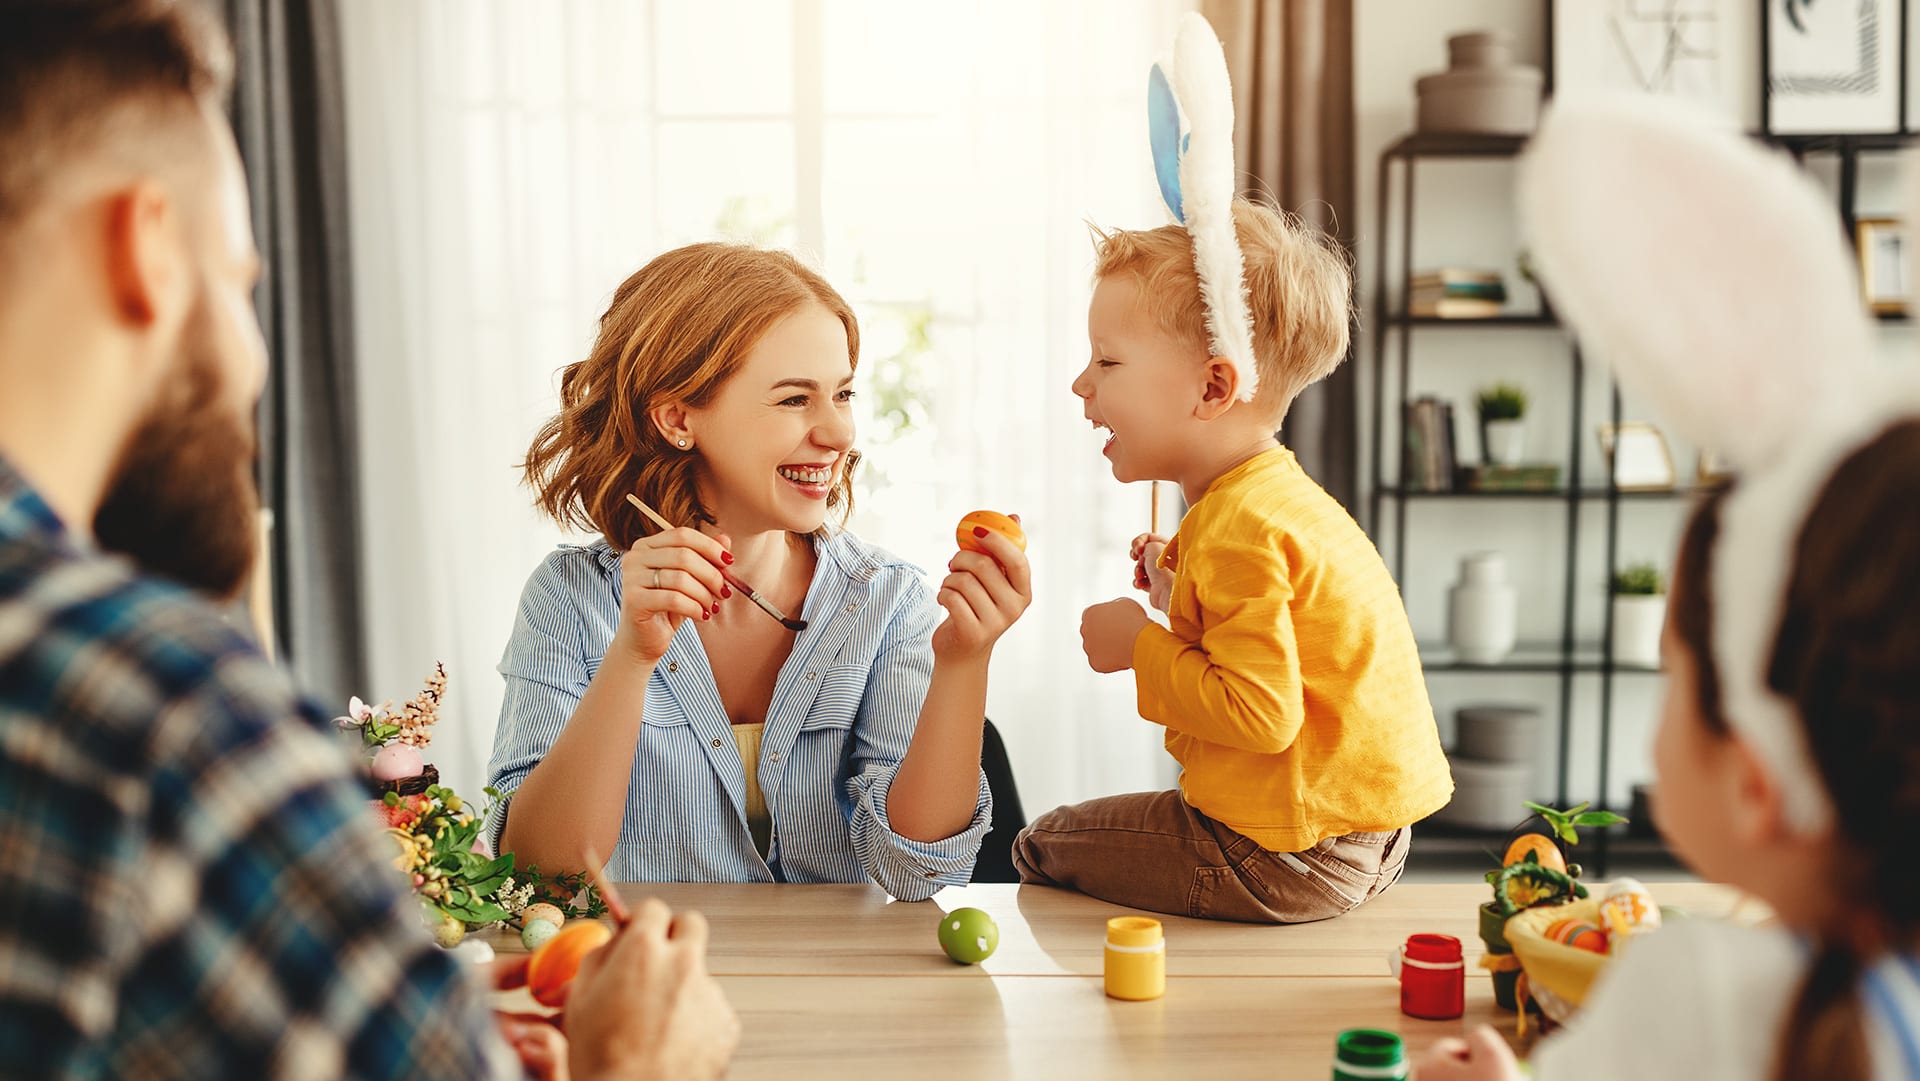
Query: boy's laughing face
x=1140, y=384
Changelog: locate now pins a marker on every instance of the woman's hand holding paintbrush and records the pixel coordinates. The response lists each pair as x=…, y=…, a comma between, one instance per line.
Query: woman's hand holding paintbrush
x=714, y=549
x=675, y=574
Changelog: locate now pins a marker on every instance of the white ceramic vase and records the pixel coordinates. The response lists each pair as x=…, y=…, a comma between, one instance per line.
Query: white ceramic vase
x=1482, y=616
x=1506, y=441
x=1637, y=622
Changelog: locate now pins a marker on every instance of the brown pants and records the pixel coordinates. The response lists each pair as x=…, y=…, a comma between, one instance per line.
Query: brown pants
x=1151, y=850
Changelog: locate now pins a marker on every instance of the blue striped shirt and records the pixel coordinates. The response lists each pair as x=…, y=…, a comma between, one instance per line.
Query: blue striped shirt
x=191, y=884
x=844, y=708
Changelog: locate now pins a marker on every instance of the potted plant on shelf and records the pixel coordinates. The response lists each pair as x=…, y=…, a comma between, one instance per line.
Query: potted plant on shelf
x=1639, y=613
x=1534, y=872
x=1503, y=432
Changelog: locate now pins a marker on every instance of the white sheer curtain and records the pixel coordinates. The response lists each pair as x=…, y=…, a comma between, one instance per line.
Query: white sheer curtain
x=513, y=161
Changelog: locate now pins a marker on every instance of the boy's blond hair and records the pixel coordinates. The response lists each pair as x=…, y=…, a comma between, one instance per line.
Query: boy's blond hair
x=1299, y=289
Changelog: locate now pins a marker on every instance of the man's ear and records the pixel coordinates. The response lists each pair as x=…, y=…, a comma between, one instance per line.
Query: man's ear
x=1220, y=388
x=149, y=274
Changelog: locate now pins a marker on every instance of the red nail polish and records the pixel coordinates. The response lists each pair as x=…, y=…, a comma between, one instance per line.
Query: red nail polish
x=979, y=532
x=704, y=614
x=725, y=592
x=726, y=557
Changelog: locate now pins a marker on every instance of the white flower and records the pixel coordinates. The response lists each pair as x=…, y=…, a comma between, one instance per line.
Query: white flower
x=360, y=711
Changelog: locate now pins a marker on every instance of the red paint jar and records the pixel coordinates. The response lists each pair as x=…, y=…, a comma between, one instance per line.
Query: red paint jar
x=1433, y=977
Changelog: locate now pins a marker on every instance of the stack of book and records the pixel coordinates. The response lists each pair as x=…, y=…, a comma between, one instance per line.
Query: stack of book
x=1542, y=477
x=1457, y=293
x=1429, y=461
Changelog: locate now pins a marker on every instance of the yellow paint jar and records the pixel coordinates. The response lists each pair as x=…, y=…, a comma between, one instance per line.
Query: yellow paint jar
x=1136, y=958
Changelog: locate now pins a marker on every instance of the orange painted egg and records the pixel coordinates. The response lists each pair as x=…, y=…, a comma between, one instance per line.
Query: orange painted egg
x=1578, y=934
x=992, y=522
x=1545, y=852
x=553, y=966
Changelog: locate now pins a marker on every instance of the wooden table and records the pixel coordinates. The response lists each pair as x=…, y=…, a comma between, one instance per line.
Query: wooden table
x=839, y=981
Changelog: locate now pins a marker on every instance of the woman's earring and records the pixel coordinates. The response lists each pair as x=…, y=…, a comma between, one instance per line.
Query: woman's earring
x=683, y=444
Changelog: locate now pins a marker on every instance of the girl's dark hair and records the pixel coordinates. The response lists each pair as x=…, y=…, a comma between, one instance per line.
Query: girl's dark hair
x=1848, y=658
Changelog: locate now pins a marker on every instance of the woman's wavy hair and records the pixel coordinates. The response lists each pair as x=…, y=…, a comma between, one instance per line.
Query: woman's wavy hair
x=677, y=330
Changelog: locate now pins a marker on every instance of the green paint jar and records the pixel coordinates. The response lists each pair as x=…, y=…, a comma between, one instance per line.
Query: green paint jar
x=1368, y=1054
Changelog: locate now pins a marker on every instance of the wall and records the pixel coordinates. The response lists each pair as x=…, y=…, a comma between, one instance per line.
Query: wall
x=1464, y=217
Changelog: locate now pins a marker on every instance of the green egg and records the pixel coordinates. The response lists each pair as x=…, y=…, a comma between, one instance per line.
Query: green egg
x=969, y=935
x=535, y=932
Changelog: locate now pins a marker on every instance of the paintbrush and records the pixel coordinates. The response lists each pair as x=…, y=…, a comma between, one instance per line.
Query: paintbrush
x=616, y=908
x=731, y=578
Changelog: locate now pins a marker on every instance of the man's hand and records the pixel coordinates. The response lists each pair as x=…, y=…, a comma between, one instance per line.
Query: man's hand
x=644, y=1008
x=1107, y=632
x=534, y=1037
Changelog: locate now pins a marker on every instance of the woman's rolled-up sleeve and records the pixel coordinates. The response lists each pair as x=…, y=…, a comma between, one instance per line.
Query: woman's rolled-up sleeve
x=889, y=710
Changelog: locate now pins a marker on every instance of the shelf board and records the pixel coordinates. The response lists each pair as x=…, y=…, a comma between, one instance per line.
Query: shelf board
x=1505, y=319
x=1440, y=840
x=1555, y=495
x=1433, y=144
x=1831, y=141
x=1532, y=658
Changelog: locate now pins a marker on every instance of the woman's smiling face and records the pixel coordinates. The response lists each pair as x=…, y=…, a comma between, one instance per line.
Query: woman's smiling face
x=774, y=441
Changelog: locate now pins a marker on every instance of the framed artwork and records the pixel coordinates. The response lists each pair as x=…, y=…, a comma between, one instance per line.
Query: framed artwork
x=1835, y=66
x=1884, y=264
x=1638, y=455
x=1668, y=48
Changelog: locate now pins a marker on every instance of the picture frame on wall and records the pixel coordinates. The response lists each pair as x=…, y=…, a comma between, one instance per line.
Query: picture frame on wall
x=1835, y=68
x=1686, y=50
x=1638, y=456
x=1884, y=246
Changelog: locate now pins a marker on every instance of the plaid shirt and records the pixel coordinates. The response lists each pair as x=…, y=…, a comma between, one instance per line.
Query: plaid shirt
x=191, y=885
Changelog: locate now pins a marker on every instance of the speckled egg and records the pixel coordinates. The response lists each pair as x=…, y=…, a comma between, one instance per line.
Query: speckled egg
x=541, y=910
x=535, y=932
x=397, y=762
x=1578, y=934
x=449, y=932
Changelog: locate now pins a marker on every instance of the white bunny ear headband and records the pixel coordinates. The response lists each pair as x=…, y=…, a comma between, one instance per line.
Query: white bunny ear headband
x=1710, y=273
x=1190, y=121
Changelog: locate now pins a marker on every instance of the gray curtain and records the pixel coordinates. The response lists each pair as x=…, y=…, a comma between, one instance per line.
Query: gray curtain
x=1292, y=67
x=288, y=114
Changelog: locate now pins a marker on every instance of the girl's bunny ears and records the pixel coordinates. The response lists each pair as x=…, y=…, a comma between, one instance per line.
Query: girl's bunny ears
x=1711, y=274
x=1194, y=163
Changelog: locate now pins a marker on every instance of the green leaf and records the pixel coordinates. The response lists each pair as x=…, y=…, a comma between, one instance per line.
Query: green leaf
x=1598, y=818
x=1568, y=834
x=1575, y=809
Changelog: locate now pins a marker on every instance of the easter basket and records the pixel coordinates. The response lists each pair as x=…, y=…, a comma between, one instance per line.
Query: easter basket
x=1548, y=943
x=1565, y=973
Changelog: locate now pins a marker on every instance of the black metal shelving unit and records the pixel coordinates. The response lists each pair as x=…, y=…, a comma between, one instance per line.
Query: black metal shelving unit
x=1392, y=343
x=1394, y=333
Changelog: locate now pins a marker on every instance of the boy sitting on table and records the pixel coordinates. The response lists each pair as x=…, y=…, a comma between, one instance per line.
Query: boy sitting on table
x=1288, y=680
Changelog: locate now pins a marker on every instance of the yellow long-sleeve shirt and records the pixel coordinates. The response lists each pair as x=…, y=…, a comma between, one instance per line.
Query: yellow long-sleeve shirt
x=1289, y=684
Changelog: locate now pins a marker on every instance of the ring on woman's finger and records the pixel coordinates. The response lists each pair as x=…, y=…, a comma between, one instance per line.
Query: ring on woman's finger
x=656, y=577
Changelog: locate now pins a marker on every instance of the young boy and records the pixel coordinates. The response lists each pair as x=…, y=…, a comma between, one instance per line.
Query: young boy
x=1289, y=684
